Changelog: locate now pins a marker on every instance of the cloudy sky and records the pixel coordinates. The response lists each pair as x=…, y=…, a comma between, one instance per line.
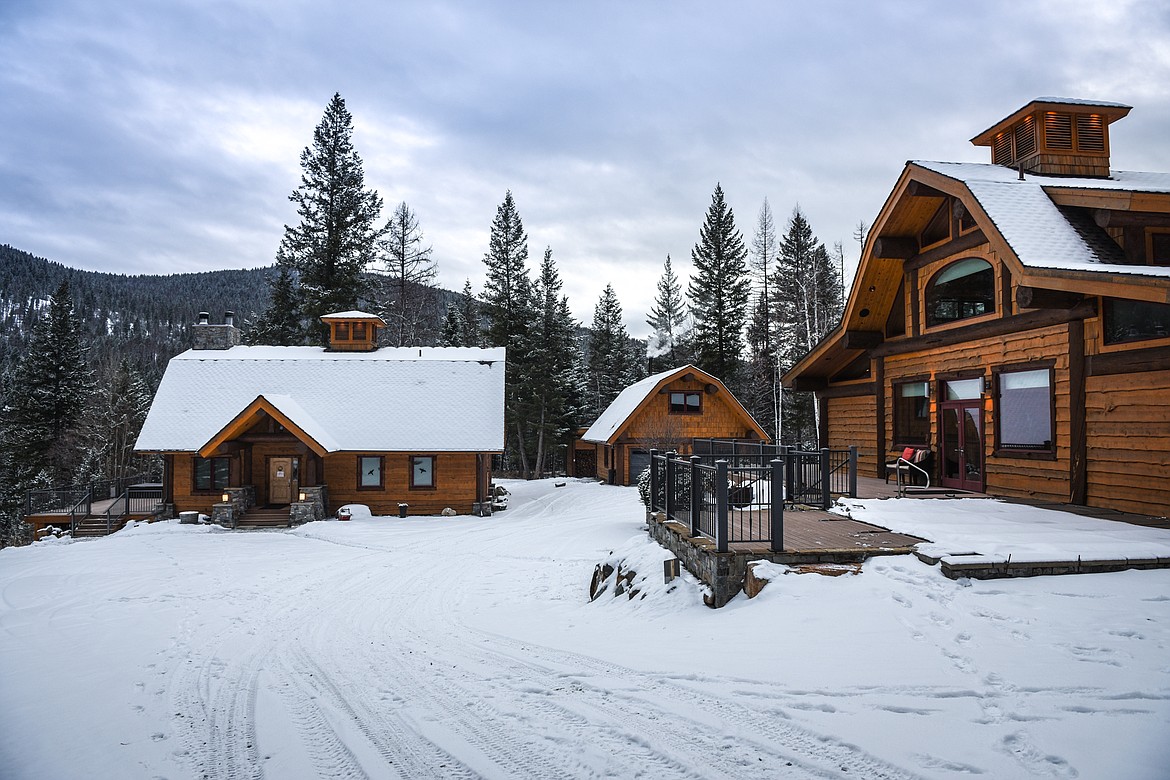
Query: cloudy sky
x=155, y=137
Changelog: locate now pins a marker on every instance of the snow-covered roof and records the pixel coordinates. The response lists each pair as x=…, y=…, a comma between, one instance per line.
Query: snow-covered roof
x=351, y=315
x=620, y=409
x=438, y=399
x=1080, y=102
x=1041, y=234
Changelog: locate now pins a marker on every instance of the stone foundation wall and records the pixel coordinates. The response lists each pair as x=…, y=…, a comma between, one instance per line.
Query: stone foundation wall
x=724, y=573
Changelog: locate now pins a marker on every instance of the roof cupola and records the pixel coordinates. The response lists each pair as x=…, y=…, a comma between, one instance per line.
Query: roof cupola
x=353, y=331
x=1055, y=137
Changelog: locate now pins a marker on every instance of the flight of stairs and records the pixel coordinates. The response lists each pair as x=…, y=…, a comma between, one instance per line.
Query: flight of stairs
x=96, y=526
x=264, y=517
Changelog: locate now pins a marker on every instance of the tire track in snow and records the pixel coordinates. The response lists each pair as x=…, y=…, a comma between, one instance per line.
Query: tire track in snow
x=329, y=755
x=407, y=753
x=223, y=744
x=810, y=752
x=222, y=693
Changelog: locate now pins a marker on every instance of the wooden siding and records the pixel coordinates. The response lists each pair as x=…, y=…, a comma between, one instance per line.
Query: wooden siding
x=455, y=474
x=851, y=421
x=455, y=479
x=1128, y=419
x=1014, y=475
x=655, y=427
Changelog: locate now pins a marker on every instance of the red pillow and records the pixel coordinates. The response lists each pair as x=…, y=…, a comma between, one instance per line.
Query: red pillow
x=908, y=453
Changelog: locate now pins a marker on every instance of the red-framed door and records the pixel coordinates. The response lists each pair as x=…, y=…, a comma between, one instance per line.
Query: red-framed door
x=961, y=459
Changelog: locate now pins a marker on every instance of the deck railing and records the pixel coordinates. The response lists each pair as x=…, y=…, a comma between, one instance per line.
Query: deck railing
x=76, y=498
x=739, y=496
x=806, y=483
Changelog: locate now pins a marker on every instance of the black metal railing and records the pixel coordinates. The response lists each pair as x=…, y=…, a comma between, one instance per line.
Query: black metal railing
x=807, y=476
x=739, y=496
x=137, y=500
x=66, y=500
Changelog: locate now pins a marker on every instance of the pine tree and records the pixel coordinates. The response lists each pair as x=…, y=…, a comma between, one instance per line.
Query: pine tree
x=50, y=391
x=280, y=324
x=719, y=292
x=667, y=344
x=461, y=324
x=808, y=305
x=407, y=274
x=43, y=403
x=337, y=237
x=612, y=363
x=507, y=288
x=552, y=342
x=508, y=307
x=453, y=329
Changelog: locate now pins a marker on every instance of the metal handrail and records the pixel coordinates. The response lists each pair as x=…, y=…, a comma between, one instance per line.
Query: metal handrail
x=903, y=488
x=87, y=501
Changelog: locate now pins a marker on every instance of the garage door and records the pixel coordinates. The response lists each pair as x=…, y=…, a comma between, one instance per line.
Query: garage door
x=639, y=462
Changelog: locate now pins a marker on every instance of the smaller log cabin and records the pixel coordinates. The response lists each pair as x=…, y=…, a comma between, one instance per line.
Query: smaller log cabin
x=351, y=423
x=1014, y=318
x=665, y=412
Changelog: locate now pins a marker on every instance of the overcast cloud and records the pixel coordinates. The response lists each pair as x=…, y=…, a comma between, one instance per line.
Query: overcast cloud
x=156, y=137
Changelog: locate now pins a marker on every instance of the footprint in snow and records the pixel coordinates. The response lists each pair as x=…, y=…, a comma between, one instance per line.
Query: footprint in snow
x=1020, y=747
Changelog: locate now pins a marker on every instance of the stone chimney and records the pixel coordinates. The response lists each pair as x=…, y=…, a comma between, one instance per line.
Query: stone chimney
x=208, y=336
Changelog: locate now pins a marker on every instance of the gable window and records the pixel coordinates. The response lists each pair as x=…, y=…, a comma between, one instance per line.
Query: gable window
x=911, y=413
x=963, y=289
x=1135, y=320
x=1024, y=410
x=422, y=471
x=212, y=473
x=369, y=472
x=686, y=403
x=939, y=227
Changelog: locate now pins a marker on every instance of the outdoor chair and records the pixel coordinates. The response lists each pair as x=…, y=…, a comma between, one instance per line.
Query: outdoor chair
x=911, y=467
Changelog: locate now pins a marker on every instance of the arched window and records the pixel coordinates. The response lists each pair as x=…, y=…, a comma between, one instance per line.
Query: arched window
x=965, y=288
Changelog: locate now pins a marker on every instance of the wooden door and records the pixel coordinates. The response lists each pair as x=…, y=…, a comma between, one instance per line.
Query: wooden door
x=280, y=480
x=961, y=445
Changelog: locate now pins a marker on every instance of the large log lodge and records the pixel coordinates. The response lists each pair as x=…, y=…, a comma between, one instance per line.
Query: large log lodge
x=1014, y=318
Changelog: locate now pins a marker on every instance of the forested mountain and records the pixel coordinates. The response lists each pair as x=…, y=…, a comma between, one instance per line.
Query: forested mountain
x=144, y=319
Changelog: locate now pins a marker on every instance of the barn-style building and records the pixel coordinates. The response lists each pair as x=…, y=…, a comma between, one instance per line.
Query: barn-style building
x=664, y=411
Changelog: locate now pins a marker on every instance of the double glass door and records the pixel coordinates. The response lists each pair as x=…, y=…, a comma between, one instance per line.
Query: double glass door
x=961, y=435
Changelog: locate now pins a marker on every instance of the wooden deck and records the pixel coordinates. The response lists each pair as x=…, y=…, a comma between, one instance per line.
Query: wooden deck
x=815, y=532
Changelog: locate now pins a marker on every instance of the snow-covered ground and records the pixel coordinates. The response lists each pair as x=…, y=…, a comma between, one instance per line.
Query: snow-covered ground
x=464, y=647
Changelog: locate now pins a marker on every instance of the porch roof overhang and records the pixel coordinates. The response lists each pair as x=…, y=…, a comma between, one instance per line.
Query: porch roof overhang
x=285, y=411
